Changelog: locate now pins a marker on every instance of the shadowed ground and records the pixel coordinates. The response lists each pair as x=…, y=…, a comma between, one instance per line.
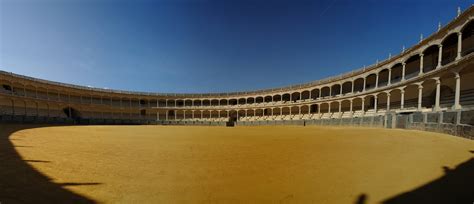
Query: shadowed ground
x=21, y=183
x=157, y=164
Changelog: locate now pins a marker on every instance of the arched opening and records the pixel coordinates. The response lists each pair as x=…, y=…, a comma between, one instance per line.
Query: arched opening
x=468, y=38
x=268, y=99
x=411, y=97
x=223, y=102
x=335, y=90
x=250, y=100
x=334, y=106
x=357, y=105
x=305, y=109
x=277, y=98
x=412, y=67
x=286, y=97
x=395, y=99
x=430, y=58
x=325, y=91
x=305, y=95
x=467, y=87
x=347, y=87
x=324, y=107
x=449, y=49
x=370, y=81
x=241, y=101
x=259, y=99
x=314, y=108
x=294, y=110
x=383, y=78
x=358, y=85
x=206, y=102
x=396, y=73
x=315, y=93
x=381, y=102
x=295, y=96
x=186, y=103
x=214, y=102
x=345, y=105
x=233, y=102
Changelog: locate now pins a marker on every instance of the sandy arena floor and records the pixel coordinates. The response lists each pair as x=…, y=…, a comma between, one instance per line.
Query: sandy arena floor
x=279, y=164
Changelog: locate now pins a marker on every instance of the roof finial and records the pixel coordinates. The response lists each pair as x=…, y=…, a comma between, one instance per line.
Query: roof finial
x=439, y=26
x=403, y=48
x=389, y=55
x=377, y=62
x=421, y=37
x=459, y=11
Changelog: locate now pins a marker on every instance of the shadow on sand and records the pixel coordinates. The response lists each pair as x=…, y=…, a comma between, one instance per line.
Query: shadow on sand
x=455, y=186
x=21, y=183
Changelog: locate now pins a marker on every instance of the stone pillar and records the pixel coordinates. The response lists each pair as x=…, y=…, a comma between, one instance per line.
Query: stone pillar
x=352, y=90
x=350, y=106
x=420, y=96
x=440, y=55
x=166, y=115
x=363, y=88
x=421, y=64
x=340, y=105
x=403, y=71
x=389, y=76
x=363, y=104
x=402, y=99
x=329, y=107
x=459, y=46
x=388, y=102
x=377, y=80
x=375, y=103
x=438, y=87
x=192, y=112
x=457, y=92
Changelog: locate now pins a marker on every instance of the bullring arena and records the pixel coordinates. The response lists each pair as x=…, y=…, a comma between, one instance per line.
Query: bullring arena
x=398, y=131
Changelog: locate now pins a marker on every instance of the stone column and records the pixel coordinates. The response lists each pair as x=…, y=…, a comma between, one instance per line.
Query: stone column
x=350, y=106
x=440, y=55
x=375, y=103
x=438, y=88
x=457, y=92
x=402, y=99
x=376, y=80
x=459, y=46
x=421, y=64
x=388, y=102
x=340, y=105
x=363, y=88
x=389, y=76
x=166, y=115
x=329, y=107
x=403, y=70
x=192, y=112
x=352, y=90
x=363, y=104
x=420, y=96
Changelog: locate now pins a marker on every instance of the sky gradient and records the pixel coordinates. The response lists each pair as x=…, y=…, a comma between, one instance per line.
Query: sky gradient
x=200, y=46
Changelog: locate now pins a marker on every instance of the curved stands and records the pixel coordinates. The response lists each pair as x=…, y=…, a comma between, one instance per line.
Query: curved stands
x=428, y=86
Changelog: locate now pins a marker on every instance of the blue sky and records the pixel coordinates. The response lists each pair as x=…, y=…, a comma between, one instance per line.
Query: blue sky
x=195, y=46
